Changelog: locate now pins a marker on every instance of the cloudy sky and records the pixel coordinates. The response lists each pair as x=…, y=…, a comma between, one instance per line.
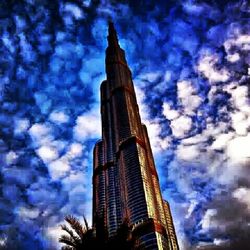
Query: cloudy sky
x=190, y=64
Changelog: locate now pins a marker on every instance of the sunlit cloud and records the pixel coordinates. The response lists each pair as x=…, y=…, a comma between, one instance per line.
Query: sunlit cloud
x=206, y=66
x=59, y=117
x=181, y=126
x=47, y=154
x=59, y=168
x=88, y=125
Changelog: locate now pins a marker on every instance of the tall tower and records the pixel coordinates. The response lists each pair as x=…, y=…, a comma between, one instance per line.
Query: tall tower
x=125, y=181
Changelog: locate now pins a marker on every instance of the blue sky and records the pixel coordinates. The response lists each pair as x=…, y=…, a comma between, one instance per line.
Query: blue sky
x=190, y=65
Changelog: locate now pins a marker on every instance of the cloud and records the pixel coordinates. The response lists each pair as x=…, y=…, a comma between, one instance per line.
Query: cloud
x=28, y=213
x=240, y=40
x=221, y=141
x=88, y=125
x=41, y=134
x=74, y=10
x=238, y=148
x=169, y=113
x=240, y=98
x=242, y=195
x=75, y=150
x=181, y=126
x=47, y=153
x=230, y=219
x=188, y=97
x=206, y=66
x=207, y=222
x=240, y=123
x=157, y=142
x=233, y=58
x=59, y=168
x=21, y=125
x=11, y=158
x=190, y=153
x=59, y=117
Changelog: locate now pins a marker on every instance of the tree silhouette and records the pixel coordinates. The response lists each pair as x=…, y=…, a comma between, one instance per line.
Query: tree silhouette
x=78, y=236
x=123, y=240
x=100, y=229
x=82, y=237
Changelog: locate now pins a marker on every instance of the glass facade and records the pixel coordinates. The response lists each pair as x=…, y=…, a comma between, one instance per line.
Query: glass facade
x=170, y=227
x=125, y=181
x=111, y=197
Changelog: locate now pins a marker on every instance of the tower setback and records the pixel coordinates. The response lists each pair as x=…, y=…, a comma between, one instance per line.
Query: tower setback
x=125, y=181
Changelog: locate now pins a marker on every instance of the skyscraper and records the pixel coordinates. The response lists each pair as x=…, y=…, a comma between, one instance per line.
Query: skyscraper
x=125, y=181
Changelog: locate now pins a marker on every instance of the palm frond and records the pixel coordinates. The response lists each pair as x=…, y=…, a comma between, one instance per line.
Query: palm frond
x=66, y=229
x=76, y=238
x=78, y=235
x=67, y=240
x=67, y=248
x=86, y=223
x=75, y=225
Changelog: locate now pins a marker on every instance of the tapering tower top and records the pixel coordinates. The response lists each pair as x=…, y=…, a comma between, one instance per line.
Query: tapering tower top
x=112, y=36
x=115, y=55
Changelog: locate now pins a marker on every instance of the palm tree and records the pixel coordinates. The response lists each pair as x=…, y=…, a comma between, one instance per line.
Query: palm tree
x=123, y=240
x=82, y=237
x=79, y=237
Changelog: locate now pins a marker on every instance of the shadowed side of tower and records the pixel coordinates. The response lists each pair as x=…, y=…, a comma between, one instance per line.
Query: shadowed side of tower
x=125, y=181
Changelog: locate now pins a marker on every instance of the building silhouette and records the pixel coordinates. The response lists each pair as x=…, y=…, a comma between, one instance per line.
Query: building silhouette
x=125, y=181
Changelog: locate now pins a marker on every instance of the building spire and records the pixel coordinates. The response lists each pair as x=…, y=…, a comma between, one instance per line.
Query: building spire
x=112, y=35
x=125, y=181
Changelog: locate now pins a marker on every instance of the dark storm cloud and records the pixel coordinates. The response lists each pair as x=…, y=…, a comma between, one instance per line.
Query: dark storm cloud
x=51, y=65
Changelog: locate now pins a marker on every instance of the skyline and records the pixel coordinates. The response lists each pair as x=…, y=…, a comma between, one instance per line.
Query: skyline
x=190, y=65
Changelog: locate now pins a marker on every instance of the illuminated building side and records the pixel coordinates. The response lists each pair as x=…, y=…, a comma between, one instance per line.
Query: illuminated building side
x=125, y=181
